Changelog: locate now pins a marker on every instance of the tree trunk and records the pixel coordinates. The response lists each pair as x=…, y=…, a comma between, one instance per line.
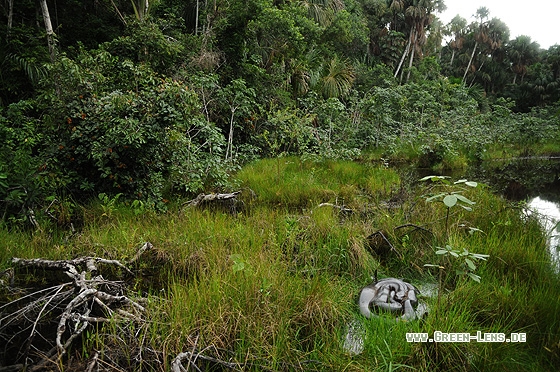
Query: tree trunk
x=119, y=13
x=10, y=17
x=470, y=61
x=48, y=29
x=229, y=148
x=405, y=53
x=452, y=57
x=413, y=47
x=196, y=19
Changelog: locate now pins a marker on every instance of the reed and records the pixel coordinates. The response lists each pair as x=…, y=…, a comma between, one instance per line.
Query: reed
x=274, y=286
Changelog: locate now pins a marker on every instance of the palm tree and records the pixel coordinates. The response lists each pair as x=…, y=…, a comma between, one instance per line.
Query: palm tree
x=337, y=78
x=418, y=15
x=456, y=28
x=490, y=42
x=541, y=82
x=522, y=52
x=482, y=13
x=322, y=11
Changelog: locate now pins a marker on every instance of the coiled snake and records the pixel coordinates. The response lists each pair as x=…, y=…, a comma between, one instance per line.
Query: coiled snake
x=389, y=294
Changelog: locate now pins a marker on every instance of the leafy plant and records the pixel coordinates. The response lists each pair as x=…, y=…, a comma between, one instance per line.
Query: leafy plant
x=466, y=260
x=239, y=263
x=108, y=204
x=451, y=196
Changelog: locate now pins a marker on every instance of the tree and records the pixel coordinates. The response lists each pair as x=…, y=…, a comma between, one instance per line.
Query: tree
x=240, y=101
x=482, y=14
x=322, y=11
x=522, y=52
x=49, y=29
x=10, y=17
x=418, y=15
x=337, y=78
x=456, y=28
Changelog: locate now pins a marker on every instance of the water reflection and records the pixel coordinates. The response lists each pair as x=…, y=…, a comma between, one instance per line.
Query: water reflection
x=549, y=214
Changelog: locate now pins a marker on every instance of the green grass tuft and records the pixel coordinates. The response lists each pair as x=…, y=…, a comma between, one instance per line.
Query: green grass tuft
x=274, y=287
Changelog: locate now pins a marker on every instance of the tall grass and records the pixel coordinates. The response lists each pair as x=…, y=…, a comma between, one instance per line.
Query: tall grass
x=274, y=286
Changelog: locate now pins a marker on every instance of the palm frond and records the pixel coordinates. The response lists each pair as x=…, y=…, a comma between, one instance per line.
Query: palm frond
x=33, y=72
x=337, y=79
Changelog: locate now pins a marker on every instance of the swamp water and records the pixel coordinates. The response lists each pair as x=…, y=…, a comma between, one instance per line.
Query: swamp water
x=548, y=212
x=535, y=181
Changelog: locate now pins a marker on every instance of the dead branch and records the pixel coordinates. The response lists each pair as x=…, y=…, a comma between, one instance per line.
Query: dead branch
x=68, y=265
x=12, y=368
x=176, y=365
x=380, y=243
x=75, y=305
x=145, y=247
x=204, y=198
x=416, y=227
x=341, y=208
x=93, y=362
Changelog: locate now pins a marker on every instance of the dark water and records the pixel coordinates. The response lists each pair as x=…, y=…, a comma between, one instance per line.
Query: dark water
x=520, y=179
x=533, y=180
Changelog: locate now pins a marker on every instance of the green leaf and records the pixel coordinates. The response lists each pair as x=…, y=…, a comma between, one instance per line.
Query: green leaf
x=474, y=277
x=480, y=256
x=435, y=197
x=450, y=200
x=468, y=183
x=430, y=265
x=433, y=178
x=454, y=253
x=442, y=251
x=472, y=230
x=466, y=208
x=238, y=266
x=464, y=200
x=470, y=264
x=238, y=263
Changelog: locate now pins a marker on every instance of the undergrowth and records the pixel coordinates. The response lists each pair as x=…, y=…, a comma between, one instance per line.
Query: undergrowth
x=273, y=285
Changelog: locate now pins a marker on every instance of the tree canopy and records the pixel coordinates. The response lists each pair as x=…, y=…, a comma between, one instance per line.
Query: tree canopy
x=146, y=99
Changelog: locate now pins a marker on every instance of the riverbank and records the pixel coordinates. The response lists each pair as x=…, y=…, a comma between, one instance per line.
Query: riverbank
x=271, y=282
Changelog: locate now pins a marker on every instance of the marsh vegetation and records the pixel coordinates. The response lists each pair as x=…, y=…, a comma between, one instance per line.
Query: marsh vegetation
x=274, y=285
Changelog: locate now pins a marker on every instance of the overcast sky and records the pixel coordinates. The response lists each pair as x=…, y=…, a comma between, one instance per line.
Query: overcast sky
x=539, y=19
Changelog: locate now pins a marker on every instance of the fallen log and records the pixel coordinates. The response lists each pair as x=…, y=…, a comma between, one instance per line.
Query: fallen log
x=205, y=198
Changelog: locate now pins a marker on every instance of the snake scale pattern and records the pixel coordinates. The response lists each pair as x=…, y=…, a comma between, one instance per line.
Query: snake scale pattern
x=390, y=294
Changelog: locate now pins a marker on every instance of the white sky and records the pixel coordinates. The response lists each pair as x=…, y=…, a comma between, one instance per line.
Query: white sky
x=538, y=19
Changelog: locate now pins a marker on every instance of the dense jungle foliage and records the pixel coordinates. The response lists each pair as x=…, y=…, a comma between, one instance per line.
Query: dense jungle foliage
x=113, y=113
x=153, y=100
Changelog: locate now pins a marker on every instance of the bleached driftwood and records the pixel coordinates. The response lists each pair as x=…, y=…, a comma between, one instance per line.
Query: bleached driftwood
x=71, y=304
x=341, y=208
x=204, y=198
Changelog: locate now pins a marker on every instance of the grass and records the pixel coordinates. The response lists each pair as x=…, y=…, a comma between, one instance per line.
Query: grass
x=508, y=151
x=274, y=287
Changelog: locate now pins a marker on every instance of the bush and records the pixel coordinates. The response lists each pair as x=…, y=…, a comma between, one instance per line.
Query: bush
x=110, y=126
